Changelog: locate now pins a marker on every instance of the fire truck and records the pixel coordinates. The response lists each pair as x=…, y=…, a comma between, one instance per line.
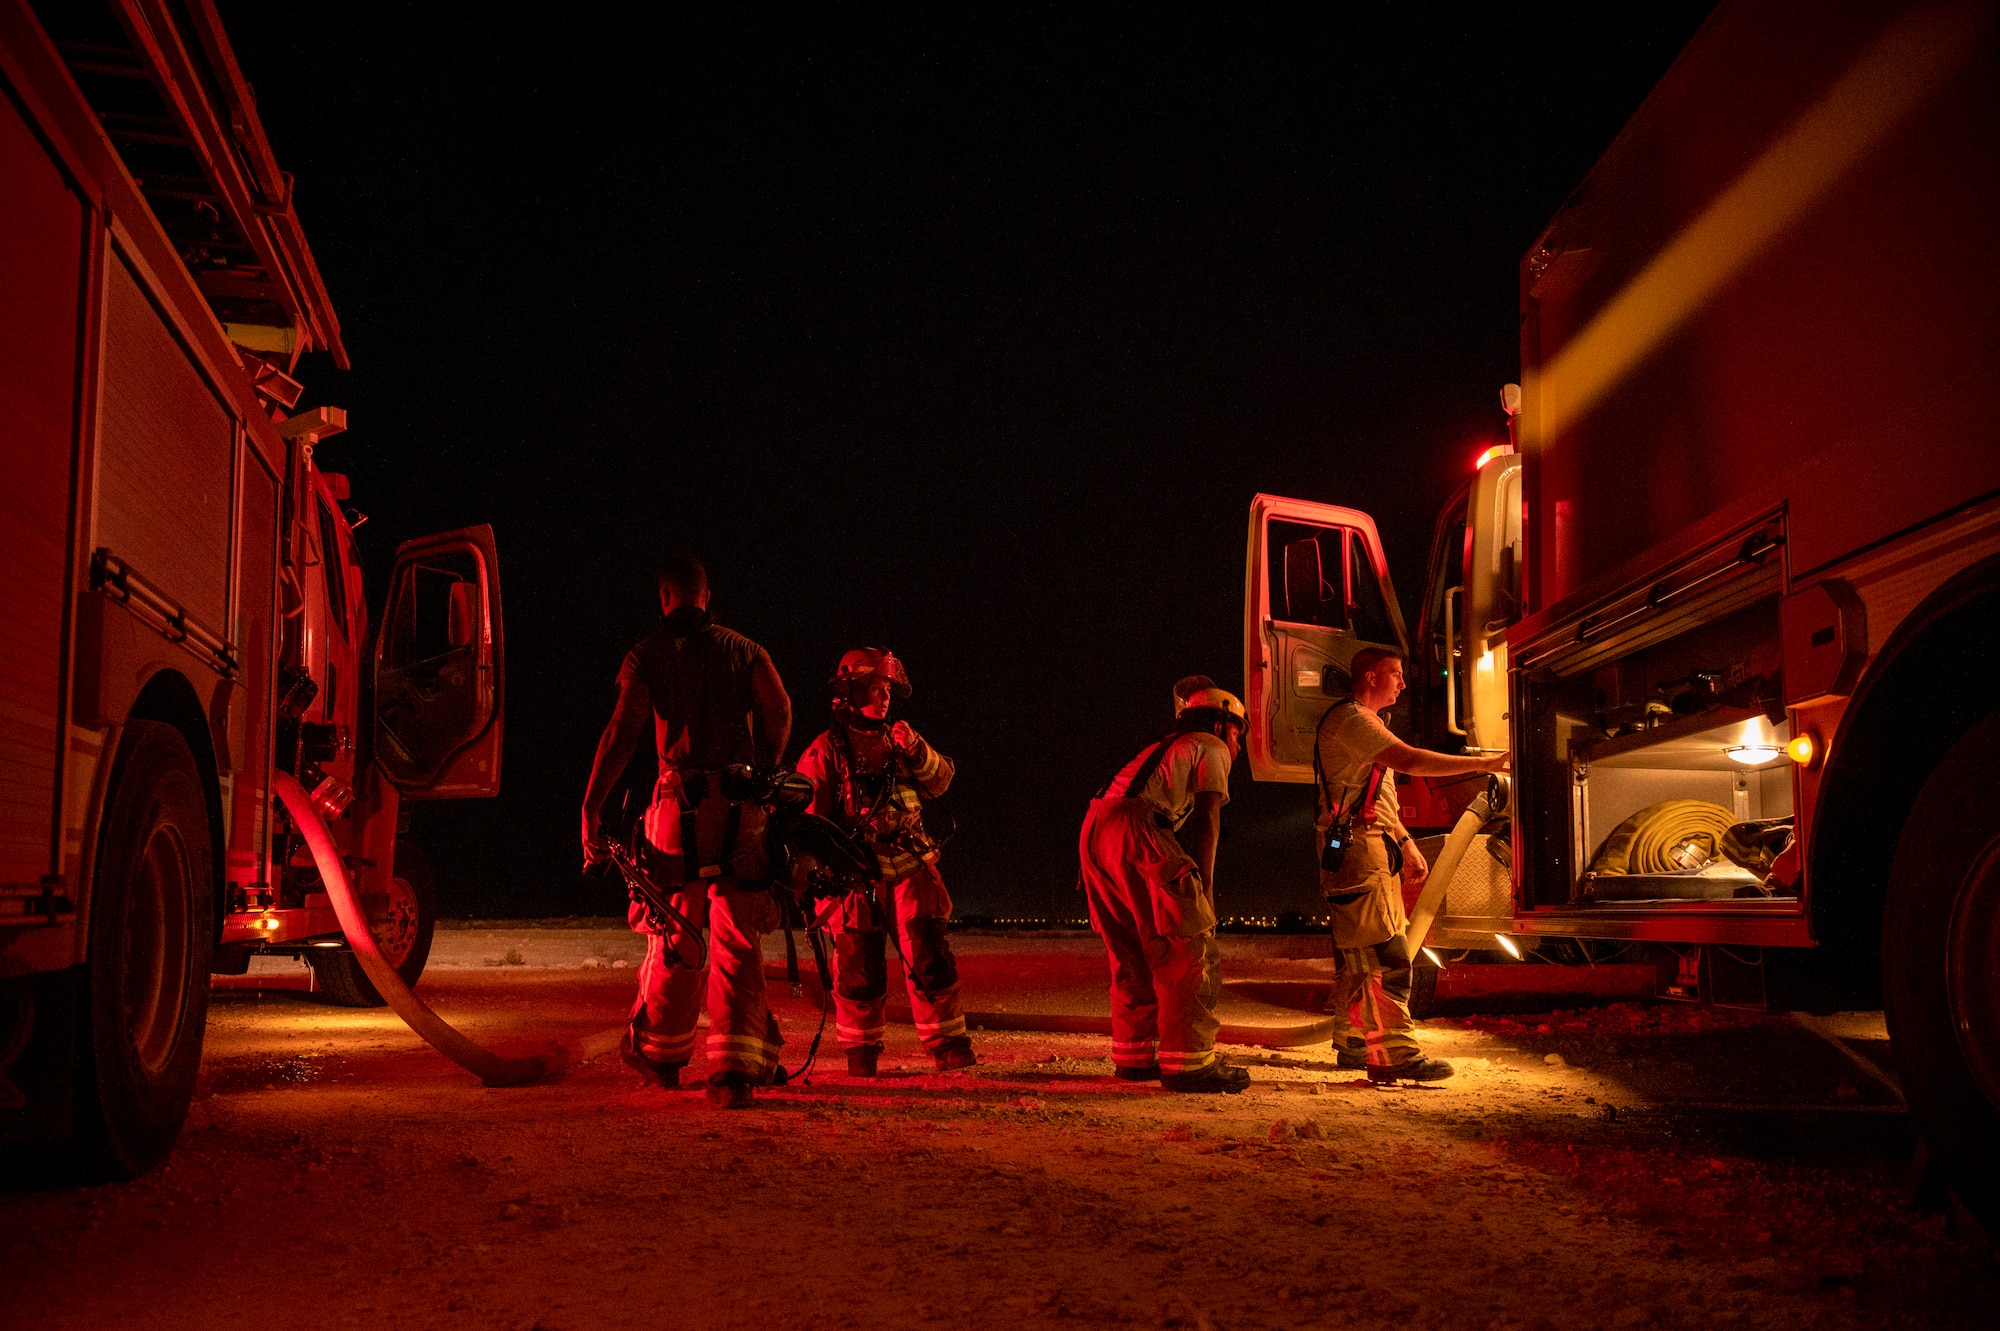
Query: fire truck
x=1729, y=594
x=183, y=613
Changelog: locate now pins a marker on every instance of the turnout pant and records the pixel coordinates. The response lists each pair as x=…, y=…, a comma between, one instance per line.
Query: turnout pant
x=742, y=1034
x=1369, y=951
x=1375, y=981
x=917, y=907
x=1157, y=919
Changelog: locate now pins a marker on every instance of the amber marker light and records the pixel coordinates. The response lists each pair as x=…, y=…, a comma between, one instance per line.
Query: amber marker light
x=1802, y=750
x=268, y=923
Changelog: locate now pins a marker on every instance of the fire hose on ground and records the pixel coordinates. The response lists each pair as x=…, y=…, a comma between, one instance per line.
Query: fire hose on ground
x=491, y=1068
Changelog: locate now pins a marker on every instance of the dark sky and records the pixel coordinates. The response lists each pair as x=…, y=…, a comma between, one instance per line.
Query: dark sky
x=971, y=334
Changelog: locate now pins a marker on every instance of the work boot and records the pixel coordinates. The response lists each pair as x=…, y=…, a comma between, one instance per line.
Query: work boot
x=1218, y=1078
x=863, y=1060
x=1353, y=1054
x=1137, y=1072
x=666, y=1076
x=1420, y=1068
x=730, y=1090
x=954, y=1055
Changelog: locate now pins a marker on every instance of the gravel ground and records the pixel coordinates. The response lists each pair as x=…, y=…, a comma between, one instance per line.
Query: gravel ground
x=1628, y=1165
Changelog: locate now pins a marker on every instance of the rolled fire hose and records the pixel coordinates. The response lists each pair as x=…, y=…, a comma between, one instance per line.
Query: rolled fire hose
x=1667, y=837
x=1431, y=899
x=491, y=1068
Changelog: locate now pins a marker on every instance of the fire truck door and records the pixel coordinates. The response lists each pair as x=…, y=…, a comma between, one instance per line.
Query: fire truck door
x=439, y=682
x=1316, y=591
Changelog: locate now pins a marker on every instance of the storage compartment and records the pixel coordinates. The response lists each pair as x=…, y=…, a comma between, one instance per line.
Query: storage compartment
x=1656, y=776
x=1653, y=811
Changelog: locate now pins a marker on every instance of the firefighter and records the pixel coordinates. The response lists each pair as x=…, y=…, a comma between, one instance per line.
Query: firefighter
x=1355, y=760
x=714, y=699
x=869, y=775
x=1153, y=903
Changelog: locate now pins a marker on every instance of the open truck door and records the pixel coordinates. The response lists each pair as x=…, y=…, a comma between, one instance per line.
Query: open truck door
x=1316, y=591
x=439, y=680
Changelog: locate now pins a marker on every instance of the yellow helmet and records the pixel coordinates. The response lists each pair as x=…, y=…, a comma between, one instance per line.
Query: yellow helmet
x=1221, y=701
x=1189, y=685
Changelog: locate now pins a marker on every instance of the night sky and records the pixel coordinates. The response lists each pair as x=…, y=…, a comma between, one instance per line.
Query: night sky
x=968, y=334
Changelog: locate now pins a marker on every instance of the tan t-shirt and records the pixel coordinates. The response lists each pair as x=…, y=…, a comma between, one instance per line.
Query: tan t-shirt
x=1350, y=740
x=1195, y=763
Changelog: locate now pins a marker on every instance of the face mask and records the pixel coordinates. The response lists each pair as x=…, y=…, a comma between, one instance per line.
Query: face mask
x=685, y=620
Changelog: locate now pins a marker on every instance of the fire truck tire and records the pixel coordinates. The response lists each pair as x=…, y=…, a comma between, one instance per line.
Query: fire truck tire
x=152, y=912
x=1941, y=932
x=405, y=936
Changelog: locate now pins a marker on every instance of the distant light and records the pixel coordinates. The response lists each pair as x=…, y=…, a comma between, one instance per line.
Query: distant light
x=1754, y=755
x=1436, y=960
x=1512, y=949
x=1800, y=750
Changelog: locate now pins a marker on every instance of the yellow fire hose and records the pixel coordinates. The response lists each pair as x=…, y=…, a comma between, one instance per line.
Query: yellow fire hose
x=1492, y=800
x=1666, y=837
x=491, y=1068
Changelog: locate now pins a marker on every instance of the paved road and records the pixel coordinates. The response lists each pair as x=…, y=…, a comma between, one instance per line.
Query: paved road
x=1626, y=1165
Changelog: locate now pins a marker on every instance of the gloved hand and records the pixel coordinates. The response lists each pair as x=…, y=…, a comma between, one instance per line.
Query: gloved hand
x=596, y=846
x=904, y=736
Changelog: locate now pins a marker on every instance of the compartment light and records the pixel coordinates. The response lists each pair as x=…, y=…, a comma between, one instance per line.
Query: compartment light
x=1436, y=960
x=1513, y=949
x=326, y=942
x=1801, y=750
x=1753, y=755
x=268, y=923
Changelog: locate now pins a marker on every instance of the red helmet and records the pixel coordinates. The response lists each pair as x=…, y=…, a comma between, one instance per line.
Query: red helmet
x=866, y=663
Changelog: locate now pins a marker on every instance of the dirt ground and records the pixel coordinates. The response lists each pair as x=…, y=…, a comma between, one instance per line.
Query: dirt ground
x=1628, y=1165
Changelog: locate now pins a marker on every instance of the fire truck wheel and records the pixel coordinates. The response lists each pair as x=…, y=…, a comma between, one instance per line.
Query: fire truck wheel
x=152, y=913
x=403, y=931
x=1941, y=932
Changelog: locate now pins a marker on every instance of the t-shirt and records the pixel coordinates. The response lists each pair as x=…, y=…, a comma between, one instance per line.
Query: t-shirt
x=1350, y=740
x=701, y=693
x=1196, y=763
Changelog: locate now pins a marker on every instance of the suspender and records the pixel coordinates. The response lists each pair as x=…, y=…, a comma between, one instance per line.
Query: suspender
x=1143, y=772
x=1370, y=788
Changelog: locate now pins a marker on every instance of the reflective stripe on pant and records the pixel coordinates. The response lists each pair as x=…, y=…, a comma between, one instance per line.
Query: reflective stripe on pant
x=1377, y=979
x=742, y=1034
x=1164, y=985
x=861, y=972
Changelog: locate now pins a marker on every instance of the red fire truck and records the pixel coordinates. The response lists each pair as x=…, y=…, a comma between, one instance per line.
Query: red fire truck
x=1740, y=560
x=183, y=612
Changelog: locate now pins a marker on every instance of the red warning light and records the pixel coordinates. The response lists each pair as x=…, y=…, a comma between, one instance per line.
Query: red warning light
x=1490, y=454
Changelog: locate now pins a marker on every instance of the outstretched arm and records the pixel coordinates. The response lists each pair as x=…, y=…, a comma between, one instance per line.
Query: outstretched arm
x=771, y=710
x=1423, y=762
x=614, y=750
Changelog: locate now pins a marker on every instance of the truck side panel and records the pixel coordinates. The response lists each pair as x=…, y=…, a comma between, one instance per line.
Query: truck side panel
x=1775, y=287
x=42, y=217
x=164, y=471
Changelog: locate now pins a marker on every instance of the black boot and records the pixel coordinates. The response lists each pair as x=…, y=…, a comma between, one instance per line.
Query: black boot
x=1420, y=1068
x=954, y=1055
x=1353, y=1054
x=863, y=1060
x=731, y=1090
x=1218, y=1078
x=666, y=1076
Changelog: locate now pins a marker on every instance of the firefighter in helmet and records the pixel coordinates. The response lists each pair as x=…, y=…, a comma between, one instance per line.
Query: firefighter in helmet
x=867, y=773
x=713, y=699
x=1153, y=902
